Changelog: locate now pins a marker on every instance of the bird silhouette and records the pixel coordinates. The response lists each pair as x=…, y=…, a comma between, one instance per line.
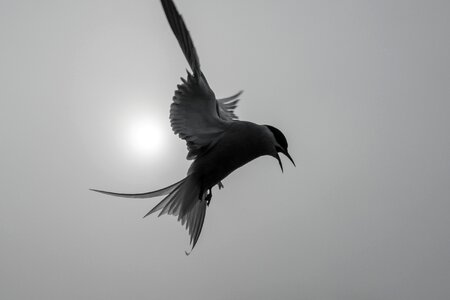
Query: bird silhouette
x=216, y=140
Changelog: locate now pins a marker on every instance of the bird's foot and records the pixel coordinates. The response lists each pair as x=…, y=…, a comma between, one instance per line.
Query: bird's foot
x=205, y=196
x=208, y=197
x=220, y=185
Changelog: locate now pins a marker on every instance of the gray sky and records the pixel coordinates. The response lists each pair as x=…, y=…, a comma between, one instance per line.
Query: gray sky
x=361, y=89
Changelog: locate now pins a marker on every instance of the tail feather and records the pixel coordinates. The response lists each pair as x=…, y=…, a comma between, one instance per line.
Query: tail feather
x=170, y=207
x=164, y=202
x=160, y=192
x=181, y=201
x=194, y=222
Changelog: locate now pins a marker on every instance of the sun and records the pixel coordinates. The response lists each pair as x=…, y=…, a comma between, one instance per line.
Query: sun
x=144, y=136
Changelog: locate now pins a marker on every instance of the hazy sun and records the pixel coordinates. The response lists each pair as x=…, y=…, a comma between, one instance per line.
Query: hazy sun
x=144, y=136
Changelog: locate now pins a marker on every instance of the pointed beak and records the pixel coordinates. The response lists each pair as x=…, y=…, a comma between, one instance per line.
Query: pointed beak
x=289, y=156
x=279, y=161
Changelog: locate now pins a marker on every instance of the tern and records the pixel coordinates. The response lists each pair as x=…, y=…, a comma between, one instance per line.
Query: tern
x=216, y=140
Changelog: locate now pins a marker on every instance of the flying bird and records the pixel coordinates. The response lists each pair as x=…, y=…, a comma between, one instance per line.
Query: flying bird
x=217, y=142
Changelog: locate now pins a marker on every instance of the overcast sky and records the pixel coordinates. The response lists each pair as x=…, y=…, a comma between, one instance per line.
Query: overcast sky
x=361, y=90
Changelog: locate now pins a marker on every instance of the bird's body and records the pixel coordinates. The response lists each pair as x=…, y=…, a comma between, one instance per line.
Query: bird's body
x=217, y=142
x=240, y=143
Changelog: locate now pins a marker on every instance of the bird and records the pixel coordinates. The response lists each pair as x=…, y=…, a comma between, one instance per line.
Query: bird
x=217, y=141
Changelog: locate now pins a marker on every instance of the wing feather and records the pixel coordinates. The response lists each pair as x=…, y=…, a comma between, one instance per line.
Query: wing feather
x=182, y=34
x=228, y=105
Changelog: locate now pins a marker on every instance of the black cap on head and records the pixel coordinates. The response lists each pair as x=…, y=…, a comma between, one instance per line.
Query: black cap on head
x=279, y=136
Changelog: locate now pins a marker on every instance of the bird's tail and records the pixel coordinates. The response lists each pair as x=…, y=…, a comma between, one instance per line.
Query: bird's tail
x=182, y=201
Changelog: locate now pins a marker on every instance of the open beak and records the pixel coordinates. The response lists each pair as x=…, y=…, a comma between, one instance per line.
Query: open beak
x=287, y=155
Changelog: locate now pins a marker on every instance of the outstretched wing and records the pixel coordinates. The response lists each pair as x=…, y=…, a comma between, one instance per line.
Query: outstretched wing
x=195, y=114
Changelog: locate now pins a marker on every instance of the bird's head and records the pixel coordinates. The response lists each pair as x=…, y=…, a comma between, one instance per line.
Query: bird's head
x=280, y=144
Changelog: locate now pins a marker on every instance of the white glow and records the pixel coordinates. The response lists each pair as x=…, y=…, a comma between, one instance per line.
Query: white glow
x=144, y=136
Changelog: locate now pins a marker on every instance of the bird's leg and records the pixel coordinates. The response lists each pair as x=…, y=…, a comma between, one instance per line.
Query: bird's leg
x=220, y=185
x=205, y=196
x=208, y=197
